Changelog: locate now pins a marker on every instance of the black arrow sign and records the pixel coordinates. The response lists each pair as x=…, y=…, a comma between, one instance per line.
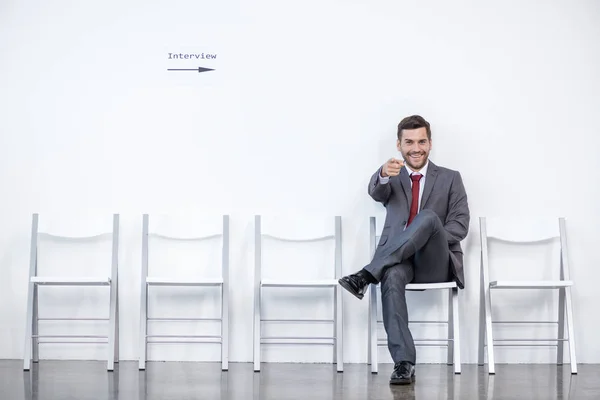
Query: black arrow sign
x=199, y=69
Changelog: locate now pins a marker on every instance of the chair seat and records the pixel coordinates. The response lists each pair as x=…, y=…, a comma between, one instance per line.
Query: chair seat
x=427, y=286
x=530, y=284
x=307, y=283
x=71, y=281
x=155, y=281
x=437, y=285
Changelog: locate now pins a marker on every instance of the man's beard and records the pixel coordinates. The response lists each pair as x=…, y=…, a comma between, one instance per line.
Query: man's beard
x=408, y=161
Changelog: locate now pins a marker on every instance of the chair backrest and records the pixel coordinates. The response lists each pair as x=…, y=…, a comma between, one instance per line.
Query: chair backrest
x=295, y=231
x=72, y=229
x=186, y=228
x=523, y=231
x=76, y=227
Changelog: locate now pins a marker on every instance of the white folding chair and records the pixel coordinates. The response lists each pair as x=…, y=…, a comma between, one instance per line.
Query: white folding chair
x=452, y=342
x=326, y=231
x=170, y=228
x=81, y=233
x=524, y=232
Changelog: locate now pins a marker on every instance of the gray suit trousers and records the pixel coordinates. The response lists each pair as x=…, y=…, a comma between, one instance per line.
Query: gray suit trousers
x=420, y=254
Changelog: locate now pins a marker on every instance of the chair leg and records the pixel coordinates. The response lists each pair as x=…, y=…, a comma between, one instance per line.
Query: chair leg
x=28, y=329
x=571, y=330
x=31, y=297
x=481, y=344
x=456, y=332
x=116, y=352
x=339, y=330
x=143, y=325
x=373, y=347
x=488, y=330
x=36, y=327
x=257, y=330
x=112, y=327
x=450, y=327
x=369, y=325
x=335, y=326
x=224, y=328
x=561, y=326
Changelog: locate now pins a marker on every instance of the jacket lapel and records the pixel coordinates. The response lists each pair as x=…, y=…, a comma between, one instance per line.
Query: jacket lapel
x=405, y=182
x=429, y=182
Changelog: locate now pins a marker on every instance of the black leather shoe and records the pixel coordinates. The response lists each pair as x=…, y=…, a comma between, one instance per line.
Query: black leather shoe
x=404, y=373
x=355, y=284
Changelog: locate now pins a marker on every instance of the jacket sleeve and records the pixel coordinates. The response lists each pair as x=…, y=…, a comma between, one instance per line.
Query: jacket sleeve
x=380, y=192
x=458, y=217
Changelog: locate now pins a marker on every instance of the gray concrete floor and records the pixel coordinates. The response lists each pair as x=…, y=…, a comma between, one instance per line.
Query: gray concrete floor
x=81, y=380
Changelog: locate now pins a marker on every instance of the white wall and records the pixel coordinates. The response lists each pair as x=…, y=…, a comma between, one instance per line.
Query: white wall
x=300, y=110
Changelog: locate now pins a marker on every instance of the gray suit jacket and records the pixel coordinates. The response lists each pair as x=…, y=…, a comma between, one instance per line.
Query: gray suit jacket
x=444, y=193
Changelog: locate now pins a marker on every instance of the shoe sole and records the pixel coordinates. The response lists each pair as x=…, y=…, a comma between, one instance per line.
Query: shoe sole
x=403, y=381
x=349, y=289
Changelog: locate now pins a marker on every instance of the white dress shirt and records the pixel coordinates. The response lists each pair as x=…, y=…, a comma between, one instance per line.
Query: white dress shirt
x=423, y=171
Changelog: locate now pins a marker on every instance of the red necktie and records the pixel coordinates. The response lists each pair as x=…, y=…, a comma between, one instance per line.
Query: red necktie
x=414, y=205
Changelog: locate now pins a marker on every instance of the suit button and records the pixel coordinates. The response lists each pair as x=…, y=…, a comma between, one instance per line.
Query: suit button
x=403, y=222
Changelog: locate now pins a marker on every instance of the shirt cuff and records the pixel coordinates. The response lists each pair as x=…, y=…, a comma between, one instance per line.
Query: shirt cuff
x=383, y=179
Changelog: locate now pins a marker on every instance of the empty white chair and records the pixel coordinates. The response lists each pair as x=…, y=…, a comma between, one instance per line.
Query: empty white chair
x=452, y=341
x=78, y=232
x=524, y=232
x=172, y=228
x=322, y=230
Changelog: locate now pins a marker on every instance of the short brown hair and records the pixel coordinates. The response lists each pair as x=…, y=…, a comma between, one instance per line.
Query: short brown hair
x=414, y=122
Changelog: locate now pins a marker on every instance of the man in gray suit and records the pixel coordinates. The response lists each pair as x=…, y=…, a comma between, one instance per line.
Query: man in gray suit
x=427, y=217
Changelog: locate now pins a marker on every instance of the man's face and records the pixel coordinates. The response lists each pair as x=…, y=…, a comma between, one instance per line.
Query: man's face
x=414, y=147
